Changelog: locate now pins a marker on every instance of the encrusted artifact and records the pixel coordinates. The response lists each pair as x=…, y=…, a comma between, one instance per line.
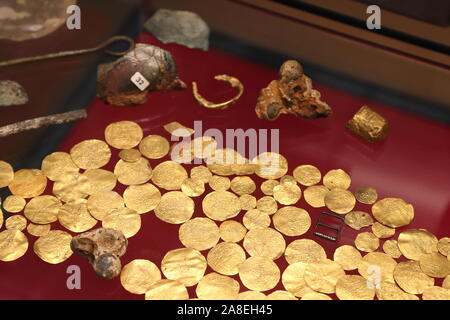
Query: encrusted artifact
x=182, y=27
x=369, y=125
x=292, y=93
x=102, y=248
x=114, y=84
x=12, y=94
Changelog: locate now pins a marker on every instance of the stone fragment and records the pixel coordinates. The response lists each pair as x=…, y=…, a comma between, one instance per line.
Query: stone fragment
x=12, y=94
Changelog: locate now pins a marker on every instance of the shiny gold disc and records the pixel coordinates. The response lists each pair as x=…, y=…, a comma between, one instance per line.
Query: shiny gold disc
x=443, y=245
x=102, y=203
x=90, y=154
x=214, y=286
x=123, y=134
x=54, y=247
x=248, y=202
x=14, y=204
x=6, y=174
x=169, y=175
x=201, y=173
x=100, y=180
x=390, y=247
x=42, y=209
x=221, y=205
x=322, y=276
x=225, y=258
x=435, y=265
x=348, y=257
x=184, y=265
x=199, y=234
x=259, y=274
x=142, y=198
x=358, y=219
x=166, y=289
x=382, y=231
x=352, y=287
x=256, y=219
x=28, y=183
x=175, y=207
x=251, y=295
x=413, y=243
x=154, y=146
x=268, y=185
x=38, y=230
x=13, y=245
x=388, y=290
x=232, y=231
x=293, y=279
x=366, y=195
x=193, y=187
x=133, y=173
x=367, y=242
x=270, y=165
x=218, y=183
x=178, y=130
x=16, y=222
x=377, y=266
x=73, y=188
x=267, y=205
x=304, y=250
x=281, y=295
x=264, y=242
x=410, y=278
x=292, y=221
x=315, y=296
x=340, y=200
x=58, y=165
x=139, y=275
x=393, y=212
x=337, y=178
x=287, y=193
x=307, y=175
x=315, y=196
x=243, y=185
x=126, y=220
x=436, y=293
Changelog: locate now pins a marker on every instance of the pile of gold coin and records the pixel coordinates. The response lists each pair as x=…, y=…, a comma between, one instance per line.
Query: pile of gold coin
x=231, y=249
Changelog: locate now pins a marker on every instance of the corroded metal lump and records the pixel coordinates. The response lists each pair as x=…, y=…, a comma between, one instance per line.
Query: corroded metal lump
x=369, y=125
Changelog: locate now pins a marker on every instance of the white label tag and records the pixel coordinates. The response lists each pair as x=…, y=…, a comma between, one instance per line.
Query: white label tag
x=139, y=80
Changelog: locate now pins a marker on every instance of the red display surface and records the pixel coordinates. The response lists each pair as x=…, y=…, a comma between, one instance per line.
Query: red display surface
x=413, y=164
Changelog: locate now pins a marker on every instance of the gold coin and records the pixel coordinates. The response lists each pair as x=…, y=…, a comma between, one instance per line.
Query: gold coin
x=366, y=195
x=199, y=234
x=293, y=279
x=315, y=196
x=267, y=205
x=358, y=219
x=268, y=185
x=42, y=209
x=281, y=295
x=201, y=173
x=143, y=198
x=175, y=207
x=16, y=222
x=214, y=286
x=322, y=276
x=243, y=167
x=443, y=244
x=348, y=257
x=393, y=212
x=270, y=165
x=410, y=277
x=232, y=231
x=154, y=146
x=130, y=155
x=73, y=188
x=54, y=247
x=6, y=174
x=123, y=134
x=28, y=183
x=307, y=175
x=225, y=258
x=1, y=218
x=367, y=242
x=436, y=293
x=192, y=187
x=166, y=289
x=243, y=185
x=390, y=247
x=377, y=266
x=169, y=175
x=352, y=287
x=337, y=178
x=13, y=245
x=248, y=202
x=264, y=242
x=304, y=250
x=388, y=290
x=90, y=154
x=139, y=275
x=287, y=193
x=381, y=231
x=413, y=243
x=102, y=203
x=100, y=180
x=435, y=265
x=184, y=265
x=259, y=274
x=125, y=220
x=292, y=221
x=14, y=204
x=340, y=200
x=446, y=282
x=133, y=173
x=221, y=205
x=38, y=230
x=181, y=152
x=255, y=219
x=221, y=161
x=178, y=130
x=76, y=217
x=218, y=183
x=58, y=165
x=288, y=179
x=315, y=296
x=251, y=295
x=204, y=148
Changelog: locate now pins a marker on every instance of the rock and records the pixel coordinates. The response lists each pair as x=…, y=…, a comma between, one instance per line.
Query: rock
x=12, y=94
x=292, y=93
x=182, y=27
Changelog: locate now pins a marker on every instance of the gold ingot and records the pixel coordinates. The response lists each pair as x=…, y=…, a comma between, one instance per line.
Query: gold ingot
x=221, y=205
x=102, y=203
x=100, y=180
x=142, y=198
x=410, y=277
x=123, y=134
x=214, y=286
x=393, y=212
x=322, y=276
x=305, y=251
x=287, y=193
x=218, y=183
x=154, y=146
x=366, y=195
x=381, y=231
x=54, y=247
x=259, y=274
x=76, y=217
x=388, y=290
x=293, y=279
x=281, y=295
x=225, y=258
x=251, y=295
x=267, y=205
x=414, y=243
x=256, y=219
x=130, y=155
x=13, y=245
x=90, y=154
x=14, y=204
x=201, y=173
x=337, y=178
x=315, y=196
x=199, y=234
x=232, y=231
x=243, y=185
x=352, y=287
x=435, y=265
x=315, y=296
x=390, y=247
x=264, y=242
x=139, y=275
x=42, y=209
x=38, y=230
x=369, y=125
x=348, y=257
x=184, y=265
x=358, y=219
x=270, y=165
x=268, y=185
x=192, y=187
x=377, y=262
x=125, y=220
x=16, y=222
x=340, y=200
x=133, y=173
x=6, y=174
x=58, y=165
x=367, y=242
x=166, y=289
x=28, y=183
x=73, y=188
x=175, y=207
x=169, y=175
x=307, y=175
x=436, y=293
x=292, y=221
x=178, y=130
x=248, y=202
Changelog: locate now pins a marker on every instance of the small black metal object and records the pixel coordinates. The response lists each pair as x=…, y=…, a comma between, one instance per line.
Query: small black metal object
x=337, y=230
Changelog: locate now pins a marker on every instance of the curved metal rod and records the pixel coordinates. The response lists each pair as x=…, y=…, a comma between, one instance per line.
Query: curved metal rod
x=235, y=83
x=103, y=45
